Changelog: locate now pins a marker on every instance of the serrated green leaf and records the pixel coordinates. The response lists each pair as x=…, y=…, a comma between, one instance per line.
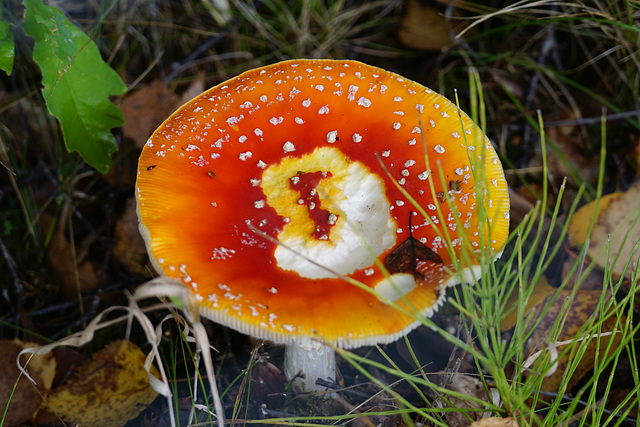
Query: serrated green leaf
x=77, y=83
x=7, y=47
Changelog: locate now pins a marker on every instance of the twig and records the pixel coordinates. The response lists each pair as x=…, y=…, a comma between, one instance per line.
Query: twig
x=593, y=120
x=16, y=280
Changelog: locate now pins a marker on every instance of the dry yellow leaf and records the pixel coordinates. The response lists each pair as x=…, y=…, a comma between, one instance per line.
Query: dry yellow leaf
x=109, y=390
x=616, y=219
x=496, y=422
x=542, y=289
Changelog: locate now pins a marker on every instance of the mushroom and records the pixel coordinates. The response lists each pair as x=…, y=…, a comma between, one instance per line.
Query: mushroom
x=280, y=198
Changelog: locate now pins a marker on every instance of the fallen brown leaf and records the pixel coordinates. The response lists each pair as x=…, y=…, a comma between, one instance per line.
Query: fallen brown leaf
x=582, y=307
x=26, y=397
x=72, y=270
x=468, y=386
x=425, y=27
x=146, y=109
x=130, y=248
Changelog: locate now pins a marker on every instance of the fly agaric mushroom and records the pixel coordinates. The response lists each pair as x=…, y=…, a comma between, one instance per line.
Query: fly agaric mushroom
x=279, y=198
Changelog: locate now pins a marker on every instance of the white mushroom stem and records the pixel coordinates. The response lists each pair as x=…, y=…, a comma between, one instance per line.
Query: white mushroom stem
x=307, y=360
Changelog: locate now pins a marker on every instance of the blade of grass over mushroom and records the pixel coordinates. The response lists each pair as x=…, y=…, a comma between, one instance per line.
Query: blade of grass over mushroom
x=407, y=309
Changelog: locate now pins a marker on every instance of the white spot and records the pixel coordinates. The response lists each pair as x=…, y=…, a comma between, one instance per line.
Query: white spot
x=444, y=114
x=399, y=203
x=402, y=181
x=242, y=139
x=357, y=137
x=431, y=207
x=288, y=147
x=319, y=87
x=323, y=110
x=215, y=155
x=351, y=94
x=262, y=164
x=222, y=253
x=436, y=106
x=456, y=135
x=399, y=113
x=404, y=172
x=439, y=149
x=364, y=102
x=397, y=99
x=293, y=93
x=424, y=175
x=255, y=182
x=395, y=286
x=258, y=132
x=246, y=155
x=432, y=123
x=386, y=153
x=259, y=204
x=383, y=88
x=298, y=120
x=369, y=272
x=306, y=103
x=246, y=104
x=263, y=98
x=276, y=120
x=191, y=147
x=272, y=290
x=420, y=108
x=332, y=136
x=213, y=299
x=416, y=130
x=333, y=218
x=413, y=142
x=396, y=125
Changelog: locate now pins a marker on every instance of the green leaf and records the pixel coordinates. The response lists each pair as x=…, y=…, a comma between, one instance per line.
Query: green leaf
x=77, y=83
x=7, y=47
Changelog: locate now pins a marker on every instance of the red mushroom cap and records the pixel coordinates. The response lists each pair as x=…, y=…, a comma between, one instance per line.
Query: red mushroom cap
x=266, y=192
